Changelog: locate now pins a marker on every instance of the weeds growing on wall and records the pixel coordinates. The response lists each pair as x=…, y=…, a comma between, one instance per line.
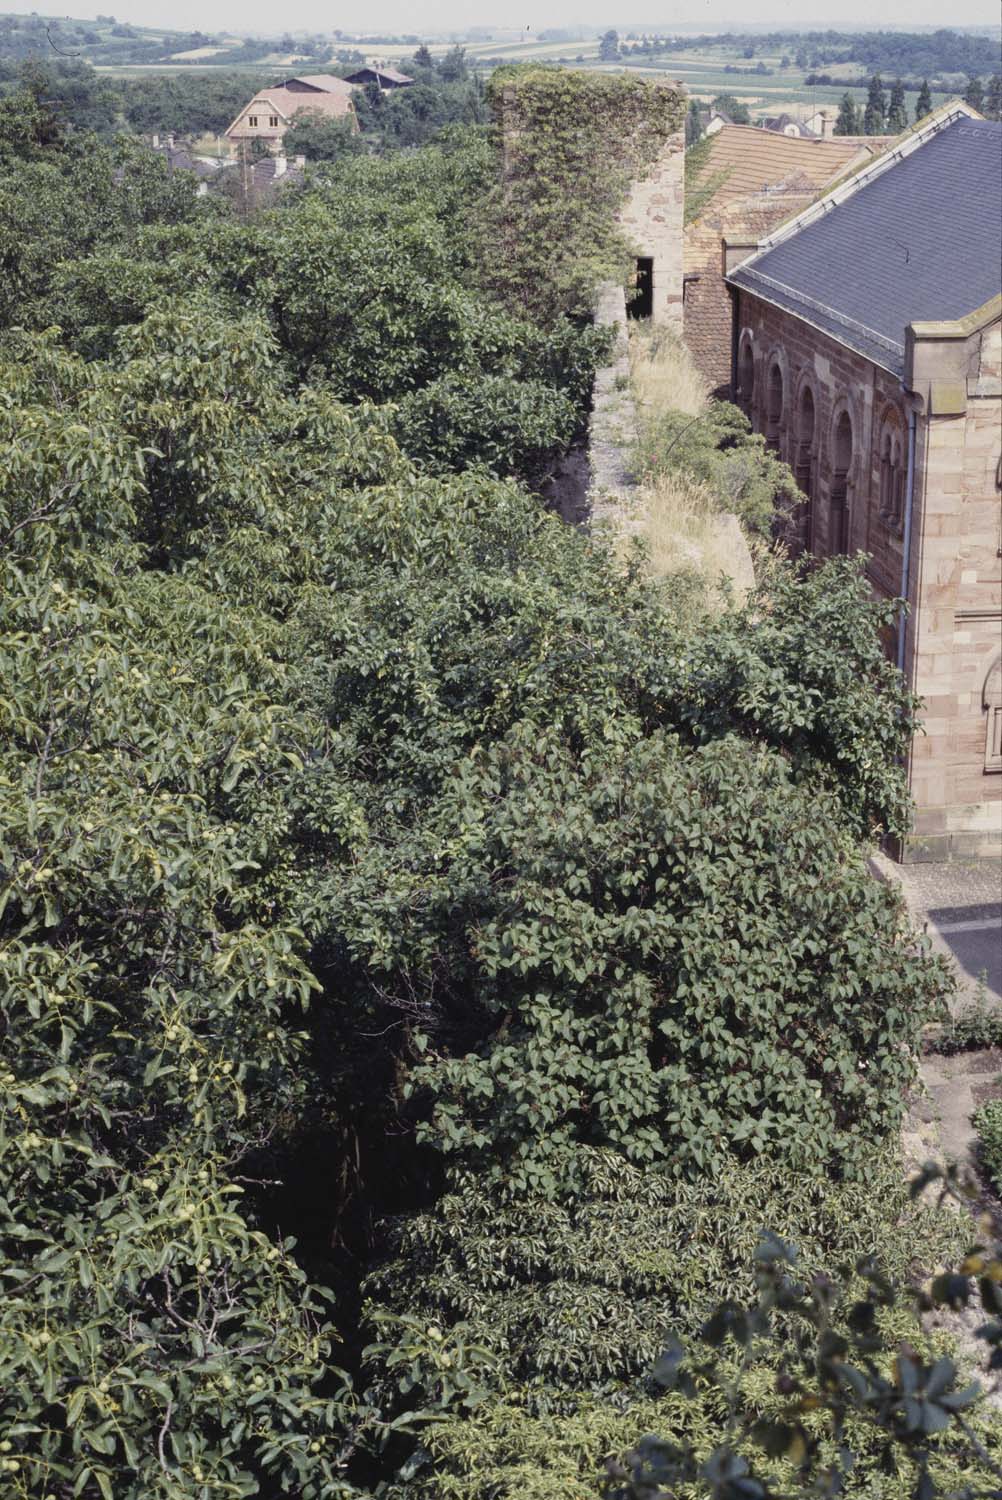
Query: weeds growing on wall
x=681, y=433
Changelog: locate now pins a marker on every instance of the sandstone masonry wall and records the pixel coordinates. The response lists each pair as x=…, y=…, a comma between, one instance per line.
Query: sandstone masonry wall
x=707, y=304
x=954, y=632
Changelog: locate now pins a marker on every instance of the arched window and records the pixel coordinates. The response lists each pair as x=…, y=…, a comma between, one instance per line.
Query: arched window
x=838, y=515
x=804, y=461
x=991, y=701
x=774, y=406
x=892, y=473
x=746, y=376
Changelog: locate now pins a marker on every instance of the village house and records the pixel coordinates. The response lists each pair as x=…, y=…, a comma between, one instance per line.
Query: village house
x=787, y=125
x=387, y=79
x=750, y=182
x=271, y=111
x=867, y=348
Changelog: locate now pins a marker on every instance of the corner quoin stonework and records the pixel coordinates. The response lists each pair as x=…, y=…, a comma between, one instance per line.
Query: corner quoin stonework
x=653, y=219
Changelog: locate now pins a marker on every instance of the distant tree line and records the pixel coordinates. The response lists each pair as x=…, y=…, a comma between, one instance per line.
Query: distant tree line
x=888, y=115
x=912, y=54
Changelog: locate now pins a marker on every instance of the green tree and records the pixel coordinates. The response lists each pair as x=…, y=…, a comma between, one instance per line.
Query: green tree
x=993, y=98
x=608, y=47
x=320, y=138
x=875, y=113
x=974, y=94
x=897, y=114
x=728, y=104
x=915, y=1410
x=454, y=67
x=923, y=104
x=693, y=124
x=848, y=121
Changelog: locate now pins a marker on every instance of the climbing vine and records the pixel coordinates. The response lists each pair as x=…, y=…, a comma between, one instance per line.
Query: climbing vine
x=700, y=184
x=571, y=143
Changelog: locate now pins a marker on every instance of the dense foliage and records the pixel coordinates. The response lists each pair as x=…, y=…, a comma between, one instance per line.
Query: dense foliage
x=836, y=1391
x=382, y=861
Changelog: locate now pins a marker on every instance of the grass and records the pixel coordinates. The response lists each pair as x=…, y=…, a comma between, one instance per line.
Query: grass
x=679, y=518
x=664, y=376
x=684, y=531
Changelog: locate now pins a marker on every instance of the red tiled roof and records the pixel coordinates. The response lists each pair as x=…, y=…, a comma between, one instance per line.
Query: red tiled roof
x=756, y=159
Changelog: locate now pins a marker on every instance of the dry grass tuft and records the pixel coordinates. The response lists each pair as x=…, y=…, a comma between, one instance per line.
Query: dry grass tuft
x=685, y=533
x=664, y=376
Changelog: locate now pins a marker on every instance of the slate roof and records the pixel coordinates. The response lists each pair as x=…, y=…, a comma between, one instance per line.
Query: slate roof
x=756, y=161
x=780, y=122
x=179, y=159
x=918, y=241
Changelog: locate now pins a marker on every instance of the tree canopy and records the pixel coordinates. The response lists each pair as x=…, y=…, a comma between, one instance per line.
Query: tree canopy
x=411, y=910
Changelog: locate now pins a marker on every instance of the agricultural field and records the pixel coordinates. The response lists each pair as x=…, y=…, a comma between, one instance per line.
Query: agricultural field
x=770, y=82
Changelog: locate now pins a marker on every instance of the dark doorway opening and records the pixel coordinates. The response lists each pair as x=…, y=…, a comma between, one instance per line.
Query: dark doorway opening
x=641, y=304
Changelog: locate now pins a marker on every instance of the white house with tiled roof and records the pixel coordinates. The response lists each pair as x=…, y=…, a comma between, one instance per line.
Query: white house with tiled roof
x=271, y=111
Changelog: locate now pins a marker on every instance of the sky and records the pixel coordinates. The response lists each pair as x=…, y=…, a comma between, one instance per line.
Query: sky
x=432, y=16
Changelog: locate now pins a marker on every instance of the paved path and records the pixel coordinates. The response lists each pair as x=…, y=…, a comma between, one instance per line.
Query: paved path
x=960, y=906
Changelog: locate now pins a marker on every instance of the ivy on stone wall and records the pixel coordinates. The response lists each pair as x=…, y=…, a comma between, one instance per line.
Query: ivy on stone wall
x=572, y=142
x=701, y=184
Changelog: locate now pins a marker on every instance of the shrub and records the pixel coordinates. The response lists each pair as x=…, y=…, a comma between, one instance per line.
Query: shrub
x=977, y=1024
x=850, y=1403
x=569, y=1304
x=720, y=450
x=988, y=1124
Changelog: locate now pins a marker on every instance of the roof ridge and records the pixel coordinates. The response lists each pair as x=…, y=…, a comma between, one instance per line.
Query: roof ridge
x=902, y=146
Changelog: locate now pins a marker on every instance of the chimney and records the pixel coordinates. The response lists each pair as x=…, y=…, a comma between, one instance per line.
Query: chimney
x=281, y=163
x=156, y=141
x=827, y=122
x=170, y=142
x=299, y=162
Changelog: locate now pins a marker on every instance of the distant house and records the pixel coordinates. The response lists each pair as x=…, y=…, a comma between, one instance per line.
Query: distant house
x=716, y=120
x=822, y=123
x=386, y=78
x=867, y=349
x=270, y=113
x=787, y=125
x=180, y=159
